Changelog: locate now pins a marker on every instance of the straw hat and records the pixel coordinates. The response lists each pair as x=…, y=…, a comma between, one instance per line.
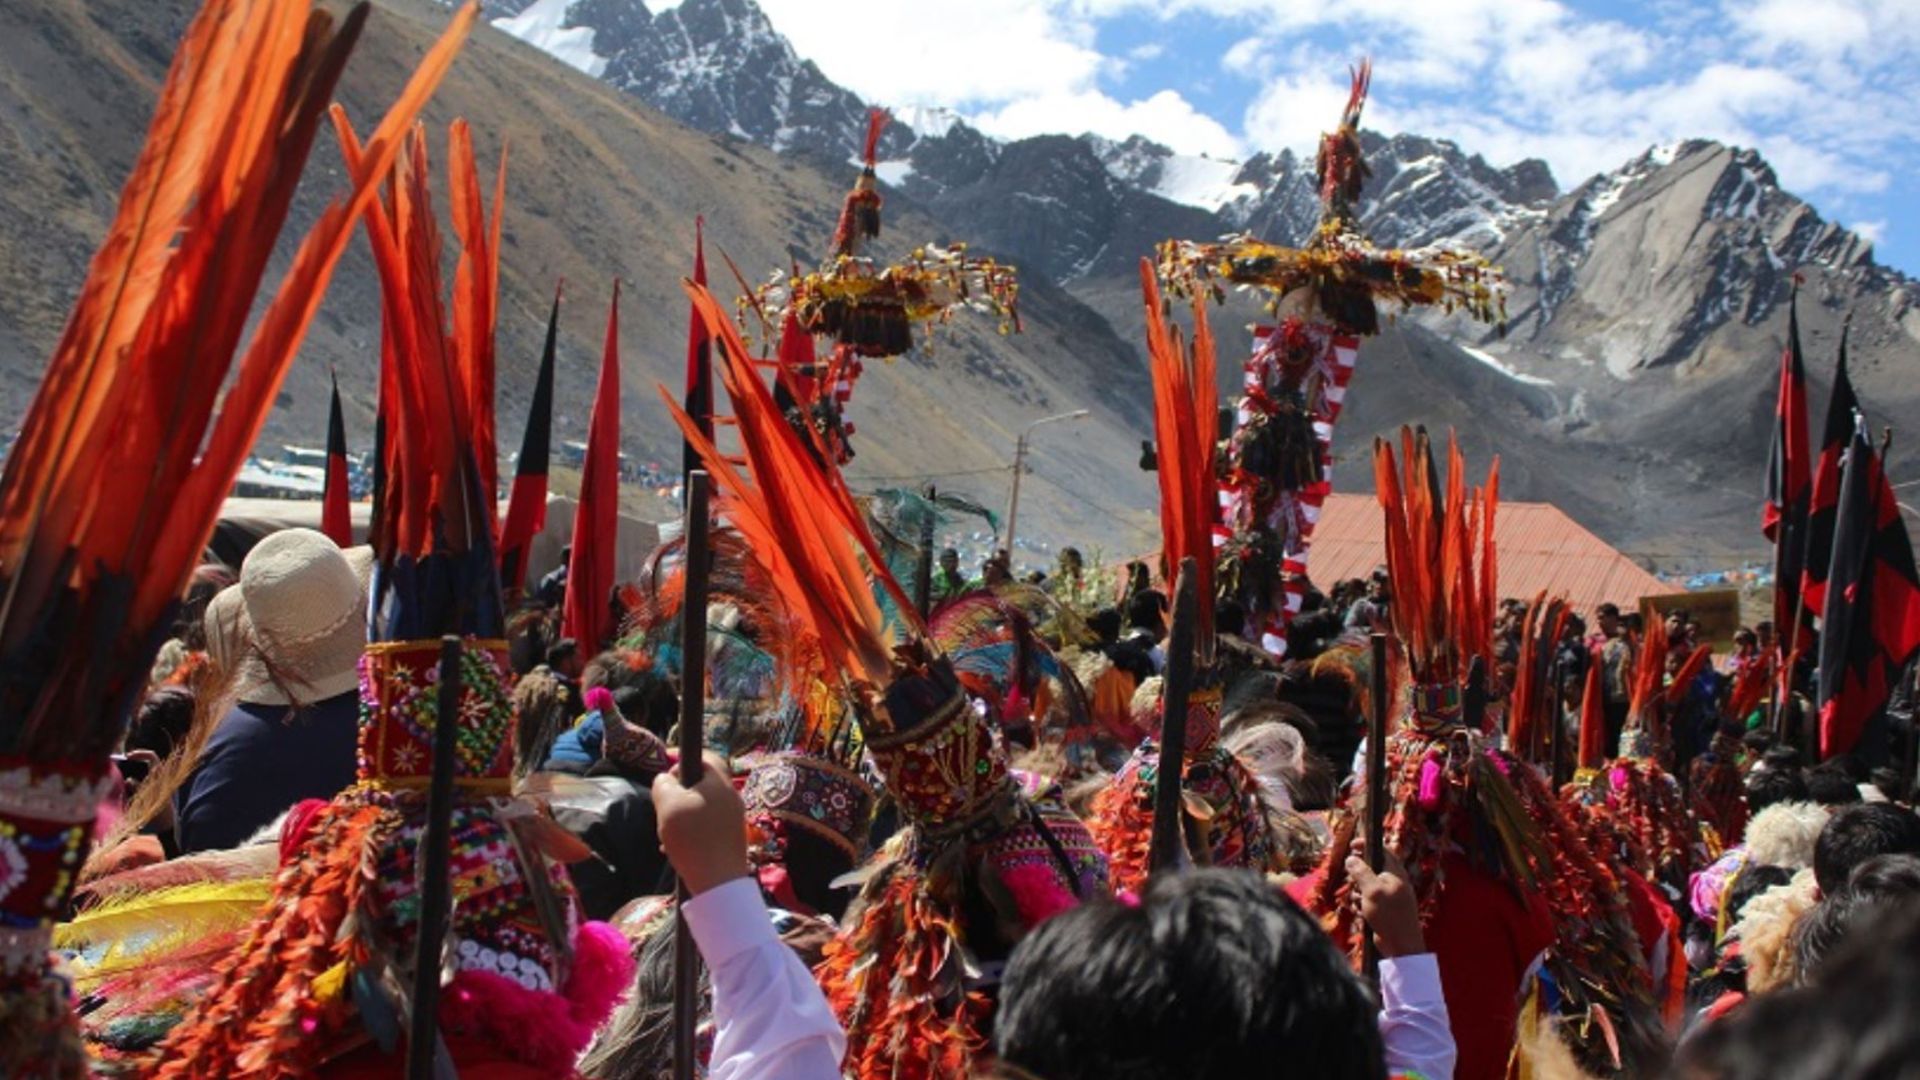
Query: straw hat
x=305, y=621
x=226, y=624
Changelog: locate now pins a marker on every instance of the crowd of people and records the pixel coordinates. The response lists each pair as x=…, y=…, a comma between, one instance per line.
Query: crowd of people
x=381, y=811
x=1213, y=972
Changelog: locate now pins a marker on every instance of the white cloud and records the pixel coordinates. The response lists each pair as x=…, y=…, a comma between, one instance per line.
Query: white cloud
x=1871, y=231
x=1166, y=118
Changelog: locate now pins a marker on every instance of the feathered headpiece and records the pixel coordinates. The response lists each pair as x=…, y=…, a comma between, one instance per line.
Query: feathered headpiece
x=1186, y=404
x=336, y=944
x=433, y=533
x=1651, y=695
x=895, y=975
x=1341, y=167
x=1441, y=560
x=860, y=214
x=1535, y=701
x=121, y=465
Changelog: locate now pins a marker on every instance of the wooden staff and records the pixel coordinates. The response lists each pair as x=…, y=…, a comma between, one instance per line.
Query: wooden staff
x=693, y=714
x=436, y=887
x=1167, y=850
x=1557, y=738
x=923, y=585
x=1376, y=792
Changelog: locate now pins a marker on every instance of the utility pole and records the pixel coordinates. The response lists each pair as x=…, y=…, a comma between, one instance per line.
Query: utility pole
x=1019, y=465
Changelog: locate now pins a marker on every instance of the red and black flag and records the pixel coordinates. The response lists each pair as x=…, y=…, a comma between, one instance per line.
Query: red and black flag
x=527, y=506
x=336, y=518
x=698, y=400
x=1789, y=483
x=596, y=521
x=1842, y=407
x=1871, y=622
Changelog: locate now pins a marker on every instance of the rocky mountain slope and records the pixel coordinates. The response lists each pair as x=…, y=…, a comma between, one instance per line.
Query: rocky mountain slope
x=1648, y=304
x=1634, y=385
x=598, y=186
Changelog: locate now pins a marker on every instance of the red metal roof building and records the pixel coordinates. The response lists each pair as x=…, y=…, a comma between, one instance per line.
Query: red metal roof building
x=1539, y=547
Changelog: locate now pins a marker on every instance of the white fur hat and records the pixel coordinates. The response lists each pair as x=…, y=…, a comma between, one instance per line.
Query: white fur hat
x=305, y=621
x=1784, y=834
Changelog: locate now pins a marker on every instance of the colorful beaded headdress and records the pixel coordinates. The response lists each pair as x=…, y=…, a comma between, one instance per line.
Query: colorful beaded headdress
x=138, y=428
x=328, y=963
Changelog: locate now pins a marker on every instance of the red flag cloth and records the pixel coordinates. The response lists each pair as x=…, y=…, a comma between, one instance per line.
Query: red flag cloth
x=1842, y=405
x=527, y=507
x=1870, y=626
x=336, y=519
x=596, y=521
x=698, y=399
x=1789, y=484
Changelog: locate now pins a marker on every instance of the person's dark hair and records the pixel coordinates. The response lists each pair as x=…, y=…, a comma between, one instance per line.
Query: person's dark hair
x=1856, y=834
x=1609, y=610
x=1829, y=786
x=1145, y=611
x=1860, y=1020
x=162, y=722
x=1875, y=885
x=1749, y=883
x=1214, y=974
x=1892, y=784
x=1634, y=621
x=1774, y=785
x=562, y=651
x=1105, y=624
x=1757, y=741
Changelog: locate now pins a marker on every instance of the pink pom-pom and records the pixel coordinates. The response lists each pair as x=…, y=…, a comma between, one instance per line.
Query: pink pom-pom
x=1428, y=796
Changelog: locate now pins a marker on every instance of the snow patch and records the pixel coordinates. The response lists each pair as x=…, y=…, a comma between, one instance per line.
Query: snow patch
x=893, y=173
x=927, y=121
x=542, y=25
x=1201, y=181
x=1501, y=366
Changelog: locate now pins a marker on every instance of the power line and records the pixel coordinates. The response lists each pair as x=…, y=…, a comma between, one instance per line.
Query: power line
x=927, y=476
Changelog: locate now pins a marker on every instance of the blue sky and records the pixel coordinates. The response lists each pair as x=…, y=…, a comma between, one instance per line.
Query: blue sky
x=1825, y=89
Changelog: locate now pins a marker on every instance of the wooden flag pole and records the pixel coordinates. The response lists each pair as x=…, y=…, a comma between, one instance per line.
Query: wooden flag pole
x=923, y=583
x=1557, y=737
x=436, y=888
x=1167, y=849
x=693, y=714
x=1376, y=792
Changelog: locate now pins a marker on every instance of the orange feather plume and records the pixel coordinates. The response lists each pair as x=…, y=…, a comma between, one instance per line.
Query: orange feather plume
x=799, y=520
x=121, y=466
x=1648, y=681
x=476, y=298
x=1535, y=696
x=1593, y=721
x=1186, y=401
x=1440, y=556
x=438, y=365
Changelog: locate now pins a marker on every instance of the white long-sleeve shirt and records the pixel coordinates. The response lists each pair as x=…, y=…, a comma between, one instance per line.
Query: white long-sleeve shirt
x=770, y=1020
x=1413, y=1018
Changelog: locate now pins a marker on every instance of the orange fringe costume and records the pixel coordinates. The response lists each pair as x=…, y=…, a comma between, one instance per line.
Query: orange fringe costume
x=978, y=837
x=320, y=983
x=1502, y=873
x=117, y=477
